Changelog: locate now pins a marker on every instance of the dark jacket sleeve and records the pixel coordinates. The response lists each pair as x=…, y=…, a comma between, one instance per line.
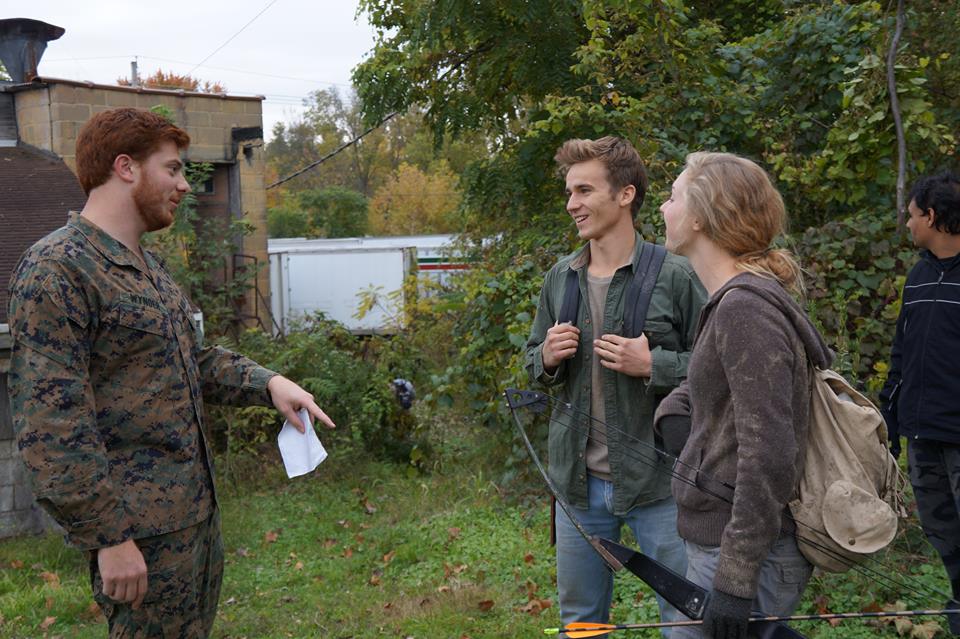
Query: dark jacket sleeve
x=890, y=392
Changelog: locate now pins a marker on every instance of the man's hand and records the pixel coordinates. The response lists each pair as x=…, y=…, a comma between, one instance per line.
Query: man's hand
x=625, y=355
x=289, y=398
x=561, y=343
x=124, y=573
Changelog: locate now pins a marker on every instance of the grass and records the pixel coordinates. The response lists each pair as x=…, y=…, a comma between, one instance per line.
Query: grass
x=361, y=549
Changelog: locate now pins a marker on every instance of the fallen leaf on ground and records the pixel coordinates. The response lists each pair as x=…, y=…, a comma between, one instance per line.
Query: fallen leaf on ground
x=329, y=542
x=271, y=536
x=443, y=589
x=370, y=508
x=46, y=623
x=453, y=532
x=348, y=552
x=926, y=630
x=92, y=612
x=298, y=565
x=387, y=558
x=536, y=606
x=344, y=523
x=485, y=605
x=52, y=578
x=16, y=564
x=528, y=558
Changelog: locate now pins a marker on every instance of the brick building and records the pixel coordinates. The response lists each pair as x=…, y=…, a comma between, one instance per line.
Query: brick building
x=39, y=121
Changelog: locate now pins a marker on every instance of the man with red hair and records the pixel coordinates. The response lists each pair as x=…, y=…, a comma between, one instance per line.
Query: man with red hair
x=108, y=379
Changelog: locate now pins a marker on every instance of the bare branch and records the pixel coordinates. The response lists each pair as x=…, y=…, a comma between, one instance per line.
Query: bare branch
x=897, y=120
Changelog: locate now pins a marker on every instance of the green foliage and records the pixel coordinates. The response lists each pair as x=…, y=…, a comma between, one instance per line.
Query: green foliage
x=329, y=212
x=349, y=377
x=855, y=271
x=471, y=65
x=798, y=86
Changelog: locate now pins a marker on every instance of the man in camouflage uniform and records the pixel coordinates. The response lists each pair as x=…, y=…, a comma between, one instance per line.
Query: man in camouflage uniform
x=921, y=399
x=107, y=382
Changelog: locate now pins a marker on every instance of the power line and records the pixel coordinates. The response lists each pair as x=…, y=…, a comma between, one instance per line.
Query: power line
x=100, y=57
x=265, y=75
x=335, y=151
x=150, y=57
x=269, y=4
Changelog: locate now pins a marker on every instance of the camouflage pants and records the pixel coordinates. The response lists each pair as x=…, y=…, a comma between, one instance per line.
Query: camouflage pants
x=184, y=572
x=935, y=475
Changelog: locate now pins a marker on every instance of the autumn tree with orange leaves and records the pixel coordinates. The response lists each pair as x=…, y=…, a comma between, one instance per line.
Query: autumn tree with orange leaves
x=163, y=80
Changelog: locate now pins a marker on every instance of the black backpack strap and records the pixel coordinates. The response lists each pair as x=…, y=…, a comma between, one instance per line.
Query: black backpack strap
x=640, y=290
x=571, y=298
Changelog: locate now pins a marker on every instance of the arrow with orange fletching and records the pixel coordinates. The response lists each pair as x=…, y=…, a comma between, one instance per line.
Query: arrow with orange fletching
x=583, y=629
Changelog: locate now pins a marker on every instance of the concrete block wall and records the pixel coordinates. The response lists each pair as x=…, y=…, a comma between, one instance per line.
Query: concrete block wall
x=50, y=116
x=19, y=514
x=253, y=200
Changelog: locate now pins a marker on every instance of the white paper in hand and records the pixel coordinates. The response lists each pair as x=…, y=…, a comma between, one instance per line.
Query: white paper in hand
x=301, y=452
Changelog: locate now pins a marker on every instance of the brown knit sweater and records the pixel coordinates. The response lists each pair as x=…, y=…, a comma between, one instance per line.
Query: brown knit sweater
x=748, y=396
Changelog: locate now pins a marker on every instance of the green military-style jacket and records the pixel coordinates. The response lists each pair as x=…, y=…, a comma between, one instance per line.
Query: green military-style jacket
x=639, y=476
x=107, y=381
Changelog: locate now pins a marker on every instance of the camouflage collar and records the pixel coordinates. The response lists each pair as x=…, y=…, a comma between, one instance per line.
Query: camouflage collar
x=107, y=245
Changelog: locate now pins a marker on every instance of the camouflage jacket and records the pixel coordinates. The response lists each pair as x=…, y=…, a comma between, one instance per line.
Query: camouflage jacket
x=107, y=382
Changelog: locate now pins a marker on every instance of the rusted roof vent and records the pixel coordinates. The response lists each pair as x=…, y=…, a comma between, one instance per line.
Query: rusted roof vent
x=22, y=43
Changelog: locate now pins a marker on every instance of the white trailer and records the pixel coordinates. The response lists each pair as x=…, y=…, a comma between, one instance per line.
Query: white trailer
x=307, y=277
x=436, y=257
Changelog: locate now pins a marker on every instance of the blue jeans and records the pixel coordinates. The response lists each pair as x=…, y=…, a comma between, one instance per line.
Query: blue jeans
x=783, y=577
x=584, y=582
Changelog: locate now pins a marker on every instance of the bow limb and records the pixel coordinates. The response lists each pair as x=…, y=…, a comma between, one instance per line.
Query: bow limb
x=519, y=399
x=681, y=593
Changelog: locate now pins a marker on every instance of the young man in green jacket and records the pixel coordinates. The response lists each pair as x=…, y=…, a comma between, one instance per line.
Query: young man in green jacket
x=601, y=448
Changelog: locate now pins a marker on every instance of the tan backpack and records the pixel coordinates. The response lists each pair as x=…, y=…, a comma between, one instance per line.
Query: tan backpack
x=851, y=490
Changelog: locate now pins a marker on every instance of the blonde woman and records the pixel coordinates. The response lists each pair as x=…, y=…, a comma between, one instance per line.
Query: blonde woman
x=746, y=395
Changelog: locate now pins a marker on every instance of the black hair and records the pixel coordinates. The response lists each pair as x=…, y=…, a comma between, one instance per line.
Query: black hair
x=940, y=192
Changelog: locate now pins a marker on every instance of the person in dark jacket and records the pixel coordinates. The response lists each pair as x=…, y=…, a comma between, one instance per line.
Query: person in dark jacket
x=921, y=399
x=747, y=395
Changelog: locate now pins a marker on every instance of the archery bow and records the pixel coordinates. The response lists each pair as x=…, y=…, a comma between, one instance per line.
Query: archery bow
x=682, y=594
x=539, y=402
x=724, y=492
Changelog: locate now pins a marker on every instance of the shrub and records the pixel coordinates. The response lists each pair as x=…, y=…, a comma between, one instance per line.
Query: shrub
x=349, y=377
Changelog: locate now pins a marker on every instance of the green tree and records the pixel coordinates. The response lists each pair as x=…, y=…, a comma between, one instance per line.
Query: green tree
x=795, y=85
x=330, y=212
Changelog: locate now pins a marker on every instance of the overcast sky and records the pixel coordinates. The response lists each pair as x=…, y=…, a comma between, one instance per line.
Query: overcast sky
x=293, y=48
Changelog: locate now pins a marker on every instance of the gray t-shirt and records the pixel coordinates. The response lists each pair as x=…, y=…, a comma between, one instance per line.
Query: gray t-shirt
x=598, y=463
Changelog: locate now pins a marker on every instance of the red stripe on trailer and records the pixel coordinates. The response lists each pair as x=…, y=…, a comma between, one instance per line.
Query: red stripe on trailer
x=443, y=267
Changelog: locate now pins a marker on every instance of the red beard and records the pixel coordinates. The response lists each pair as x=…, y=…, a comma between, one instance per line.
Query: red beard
x=154, y=206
